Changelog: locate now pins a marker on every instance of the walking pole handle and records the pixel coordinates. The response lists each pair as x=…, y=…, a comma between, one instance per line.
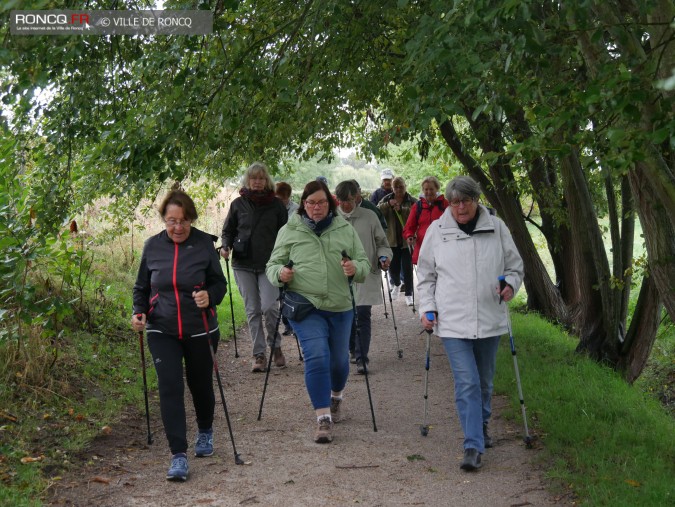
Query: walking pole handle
x=502, y=286
x=430, y=316
x=347, y=257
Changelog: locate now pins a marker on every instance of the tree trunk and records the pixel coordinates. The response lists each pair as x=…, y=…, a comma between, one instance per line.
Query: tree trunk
x=642, y=331
x=659, y=237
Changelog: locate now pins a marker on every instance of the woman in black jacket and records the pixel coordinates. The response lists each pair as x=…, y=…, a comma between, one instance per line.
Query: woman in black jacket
x=179, y=284
x=249, y=233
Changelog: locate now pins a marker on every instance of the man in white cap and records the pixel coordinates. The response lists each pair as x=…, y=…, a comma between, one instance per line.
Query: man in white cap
x=387, y=175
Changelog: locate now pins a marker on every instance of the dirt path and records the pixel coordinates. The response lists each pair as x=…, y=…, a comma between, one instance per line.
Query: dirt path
x=394, y=466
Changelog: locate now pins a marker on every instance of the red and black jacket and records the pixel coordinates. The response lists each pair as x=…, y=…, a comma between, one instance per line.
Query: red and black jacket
x=168, y=275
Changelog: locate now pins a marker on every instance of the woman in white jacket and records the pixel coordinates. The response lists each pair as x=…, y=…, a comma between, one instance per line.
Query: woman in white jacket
x=463, y=254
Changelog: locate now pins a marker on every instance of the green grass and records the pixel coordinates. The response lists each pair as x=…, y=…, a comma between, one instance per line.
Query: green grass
x=604, y=441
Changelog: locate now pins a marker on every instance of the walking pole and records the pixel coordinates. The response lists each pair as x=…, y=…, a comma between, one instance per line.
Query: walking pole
x=237, y=458
x=384, y=301
x=358, y=337
x=526, y=438
x=276, y=333
x=297, y=343
x=412, y=272
x=145, y=382
x=234, y=330
x=393, y=318
x=424, y=429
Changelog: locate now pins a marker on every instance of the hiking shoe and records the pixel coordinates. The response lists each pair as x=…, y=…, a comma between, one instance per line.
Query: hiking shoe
x=288, y=331
x=324, y=430
x=361, y=367
x=352, y=357
x=487, y=440
x=336, y=409
x=395, y=292
x=409, y=300
x=471, y=460
x=259, y=363
x=403, y=287
x=178, y=471
x=204, y=443
x=279, y=358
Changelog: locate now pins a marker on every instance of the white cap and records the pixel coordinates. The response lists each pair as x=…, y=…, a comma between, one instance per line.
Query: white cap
x=387, y=174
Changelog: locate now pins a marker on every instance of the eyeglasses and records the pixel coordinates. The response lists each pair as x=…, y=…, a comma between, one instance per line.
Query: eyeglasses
x=315, y=204
x=466, y=201
x=172, y=222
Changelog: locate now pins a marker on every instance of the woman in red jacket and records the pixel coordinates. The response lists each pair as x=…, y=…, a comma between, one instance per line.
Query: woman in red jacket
x=426, y=210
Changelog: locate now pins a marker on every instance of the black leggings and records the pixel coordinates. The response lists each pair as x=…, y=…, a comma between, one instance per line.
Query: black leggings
x=168, y=353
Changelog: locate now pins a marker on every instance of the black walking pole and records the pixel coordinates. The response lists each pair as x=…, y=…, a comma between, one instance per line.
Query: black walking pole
x=424, y=429
x=384, y=301
x=358, y=337
x=234, y=330
x=237, y=458
x=412, y=275
x=526, y=438
x=393, y=318
x=276, y=333
x=145, y=382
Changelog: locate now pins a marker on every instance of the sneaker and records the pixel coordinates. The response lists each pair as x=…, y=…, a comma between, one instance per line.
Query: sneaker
x=204, y=443
x=336, y=409
x=259, y=363
x=352, y=357
x=324, y=431
x=409, y=300
x=279, y=359
x=395, y=292
x=486, y=438
x=288, y=331
x=360, y=367
x=471, y=460
x=178, y=471
x=403, y=287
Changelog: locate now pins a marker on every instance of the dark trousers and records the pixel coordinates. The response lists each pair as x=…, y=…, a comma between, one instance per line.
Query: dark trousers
x=363, y=315
x=401, y=261
x=168, y=355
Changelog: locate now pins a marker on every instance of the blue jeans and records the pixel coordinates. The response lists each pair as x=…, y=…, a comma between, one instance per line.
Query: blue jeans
x=324, y=338
x=473, y=367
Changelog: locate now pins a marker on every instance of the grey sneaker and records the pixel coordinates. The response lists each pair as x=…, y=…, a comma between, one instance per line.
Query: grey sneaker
x=204, y=443
x=324, y=431
x=336, y=409
x=178, y=471
x=471, y=460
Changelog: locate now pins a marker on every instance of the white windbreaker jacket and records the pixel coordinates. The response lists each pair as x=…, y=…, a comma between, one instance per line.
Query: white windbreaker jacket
x=458, y=275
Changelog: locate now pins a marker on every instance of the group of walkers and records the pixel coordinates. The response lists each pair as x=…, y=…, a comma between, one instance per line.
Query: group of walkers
x=326, y=258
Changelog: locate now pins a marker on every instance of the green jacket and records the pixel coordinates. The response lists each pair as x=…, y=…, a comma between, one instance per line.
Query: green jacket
x=316, y=261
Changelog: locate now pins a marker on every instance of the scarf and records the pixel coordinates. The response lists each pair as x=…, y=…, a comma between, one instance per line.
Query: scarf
x=321, y=225
x=258, y=198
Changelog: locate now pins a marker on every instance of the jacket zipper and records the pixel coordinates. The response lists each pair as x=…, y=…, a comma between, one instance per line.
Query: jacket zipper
x=175, y=291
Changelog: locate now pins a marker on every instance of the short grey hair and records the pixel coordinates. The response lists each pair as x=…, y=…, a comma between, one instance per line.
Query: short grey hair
x=462, y=186
x=345, y=190
x=256, y=169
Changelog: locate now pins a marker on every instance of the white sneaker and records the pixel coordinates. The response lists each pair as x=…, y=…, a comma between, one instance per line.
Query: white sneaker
x=395, y=291
x=409, y=300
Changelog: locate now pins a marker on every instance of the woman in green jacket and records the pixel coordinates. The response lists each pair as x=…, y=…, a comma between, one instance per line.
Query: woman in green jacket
x=317, y=288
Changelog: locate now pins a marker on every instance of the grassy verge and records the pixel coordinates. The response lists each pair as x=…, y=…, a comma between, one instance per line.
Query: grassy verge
x=605, y=442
